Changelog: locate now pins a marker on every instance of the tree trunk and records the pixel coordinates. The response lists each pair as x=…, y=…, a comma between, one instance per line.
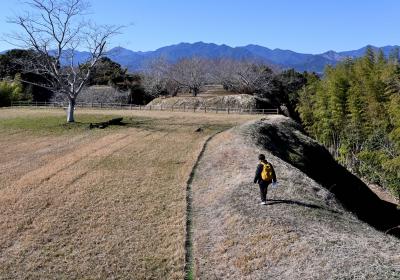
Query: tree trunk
x=195, y=92
x=70, y=112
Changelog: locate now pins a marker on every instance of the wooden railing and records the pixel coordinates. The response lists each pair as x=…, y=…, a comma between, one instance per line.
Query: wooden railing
x=174, y=108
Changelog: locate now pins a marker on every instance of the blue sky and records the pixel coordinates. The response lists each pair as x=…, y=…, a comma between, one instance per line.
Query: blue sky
x=307, y=26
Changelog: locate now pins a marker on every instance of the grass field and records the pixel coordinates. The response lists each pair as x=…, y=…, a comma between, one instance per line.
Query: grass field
x=94, y=204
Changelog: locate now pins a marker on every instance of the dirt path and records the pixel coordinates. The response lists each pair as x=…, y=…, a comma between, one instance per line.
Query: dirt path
x=189, y=258
x=302, y=234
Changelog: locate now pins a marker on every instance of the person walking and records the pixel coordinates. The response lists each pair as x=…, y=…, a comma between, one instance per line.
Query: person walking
x=265, y=175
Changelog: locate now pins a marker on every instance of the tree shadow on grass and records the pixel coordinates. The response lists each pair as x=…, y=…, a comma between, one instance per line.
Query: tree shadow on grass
x=299, y=203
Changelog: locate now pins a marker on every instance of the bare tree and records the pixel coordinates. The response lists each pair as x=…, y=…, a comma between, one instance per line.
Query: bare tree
x=55, y=31
x=190, y=73
x=172, y=87
x=103, y=94
x=154, y=77
x=158, y=78
x=244, y=76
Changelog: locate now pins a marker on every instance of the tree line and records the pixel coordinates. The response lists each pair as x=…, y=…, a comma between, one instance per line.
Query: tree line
x=160, y=78
x=354, y=110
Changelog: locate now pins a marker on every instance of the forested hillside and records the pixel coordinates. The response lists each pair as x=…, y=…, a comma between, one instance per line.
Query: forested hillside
x=354, y=110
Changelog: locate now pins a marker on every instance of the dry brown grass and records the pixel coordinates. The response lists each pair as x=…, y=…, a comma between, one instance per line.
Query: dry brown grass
x=303, y=234
x=99, y=204
x=111, y=204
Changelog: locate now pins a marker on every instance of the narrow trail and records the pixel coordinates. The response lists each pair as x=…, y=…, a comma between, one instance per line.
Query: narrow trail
x=189, y=258
x=303, y=232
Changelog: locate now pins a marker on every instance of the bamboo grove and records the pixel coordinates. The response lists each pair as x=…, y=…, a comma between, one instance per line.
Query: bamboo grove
x=354, y=110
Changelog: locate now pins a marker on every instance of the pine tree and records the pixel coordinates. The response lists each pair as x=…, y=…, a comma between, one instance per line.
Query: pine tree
x=369, y=58
x=394, y=56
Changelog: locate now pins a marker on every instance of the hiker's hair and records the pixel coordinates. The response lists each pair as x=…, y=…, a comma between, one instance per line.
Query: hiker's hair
x=261, y=157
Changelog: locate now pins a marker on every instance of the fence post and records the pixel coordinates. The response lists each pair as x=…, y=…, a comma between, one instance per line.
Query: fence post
x=263, y=111
x=228, y=109
x=194, y=109
x=277, y=111
x=101, y=104
x=150, y=107
x=205, y=109
x=216, y=110
x=184, y=107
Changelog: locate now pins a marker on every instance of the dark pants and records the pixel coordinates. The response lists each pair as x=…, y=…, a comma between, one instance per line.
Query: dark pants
x=263, y=190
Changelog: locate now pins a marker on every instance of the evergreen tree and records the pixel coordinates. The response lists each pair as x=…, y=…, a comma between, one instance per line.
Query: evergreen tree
x=394, y=56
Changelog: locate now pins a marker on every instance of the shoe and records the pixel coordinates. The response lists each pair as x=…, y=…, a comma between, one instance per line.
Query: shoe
x=263, y=203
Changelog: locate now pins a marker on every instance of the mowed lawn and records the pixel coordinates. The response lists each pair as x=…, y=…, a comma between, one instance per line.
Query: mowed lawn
x=95, y=204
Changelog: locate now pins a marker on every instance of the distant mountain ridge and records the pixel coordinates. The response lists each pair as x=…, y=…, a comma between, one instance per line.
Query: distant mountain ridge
x=136, y=61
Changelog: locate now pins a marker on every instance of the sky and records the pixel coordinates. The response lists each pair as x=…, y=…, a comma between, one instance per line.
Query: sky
x=306, y=26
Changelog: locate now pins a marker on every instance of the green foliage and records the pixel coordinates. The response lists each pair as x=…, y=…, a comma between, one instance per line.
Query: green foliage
x=6, y=91
x=287, y=86
x=355, y=112
x=12, y=64
x=11, y=91
x=107, y=72
x=306, y=101
x=394, y=55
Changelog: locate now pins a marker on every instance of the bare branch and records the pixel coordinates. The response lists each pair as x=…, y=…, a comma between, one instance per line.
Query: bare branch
x=55, y=32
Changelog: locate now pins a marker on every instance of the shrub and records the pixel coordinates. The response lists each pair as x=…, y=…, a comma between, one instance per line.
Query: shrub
x=11, y=91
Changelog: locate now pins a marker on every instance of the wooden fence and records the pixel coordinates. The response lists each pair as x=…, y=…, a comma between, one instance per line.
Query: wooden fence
x=174, y=108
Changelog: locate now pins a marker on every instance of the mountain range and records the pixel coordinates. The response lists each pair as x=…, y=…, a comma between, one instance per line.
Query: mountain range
x=282, y=59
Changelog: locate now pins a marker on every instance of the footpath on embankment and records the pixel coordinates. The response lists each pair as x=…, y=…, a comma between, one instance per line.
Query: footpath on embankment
x=313, y=227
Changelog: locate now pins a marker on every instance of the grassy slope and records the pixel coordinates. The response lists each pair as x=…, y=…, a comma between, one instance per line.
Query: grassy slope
x=94, y=204
x=302, y=234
